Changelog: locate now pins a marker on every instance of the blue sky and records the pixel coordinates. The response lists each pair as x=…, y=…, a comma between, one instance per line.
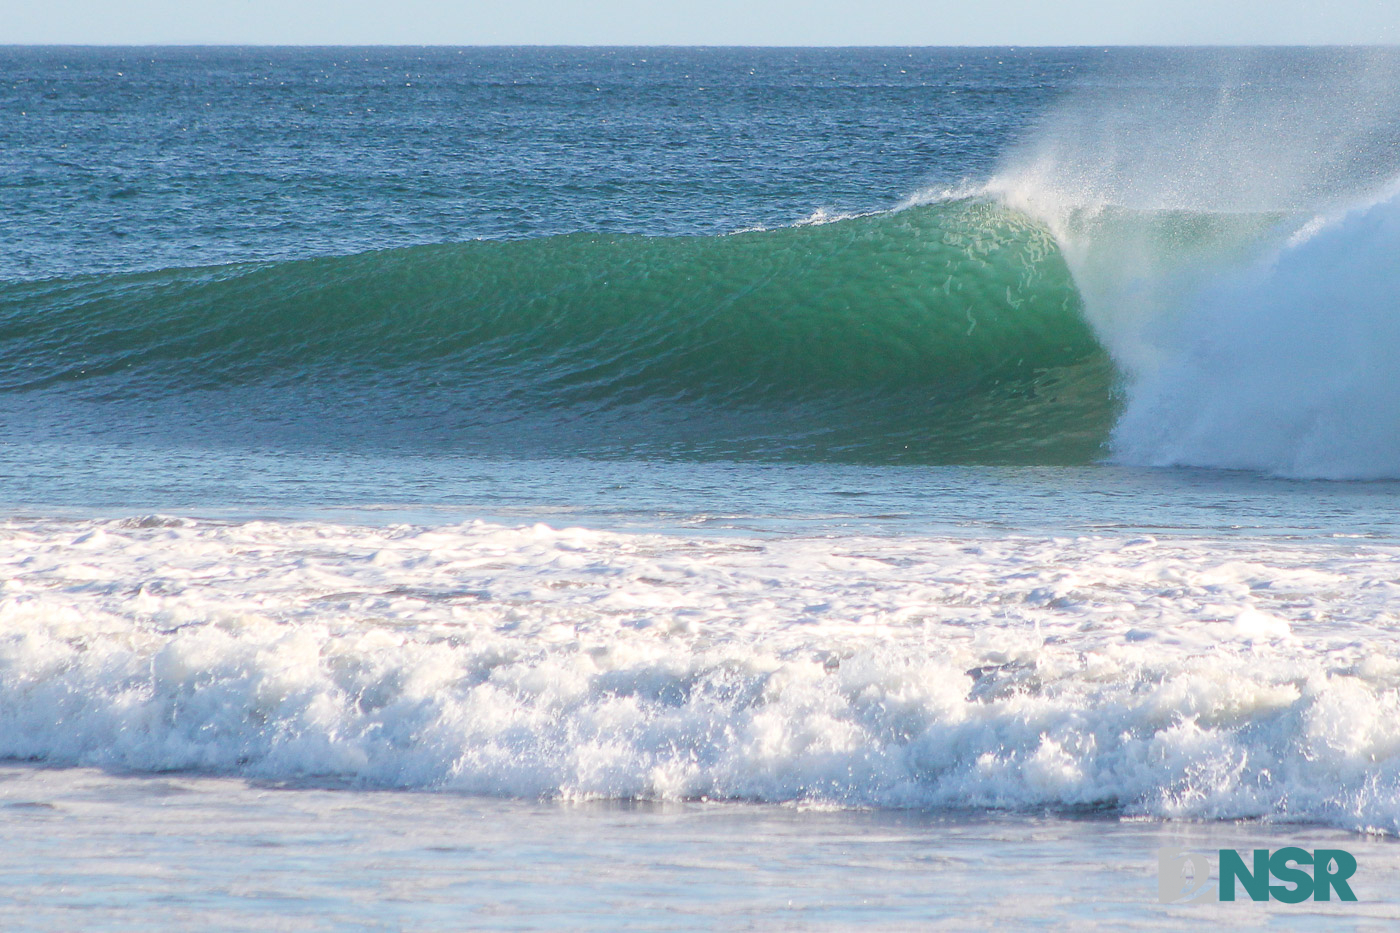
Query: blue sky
x=717, y=22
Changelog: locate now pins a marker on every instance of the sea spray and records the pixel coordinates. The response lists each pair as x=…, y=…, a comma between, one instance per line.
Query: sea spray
x=1205, y=217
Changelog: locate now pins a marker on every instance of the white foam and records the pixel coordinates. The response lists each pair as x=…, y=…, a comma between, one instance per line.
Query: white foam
x=1176, y=678
x=1223, y=225
x=1287, y=365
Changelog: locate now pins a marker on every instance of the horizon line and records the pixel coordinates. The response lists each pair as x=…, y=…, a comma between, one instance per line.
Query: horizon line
x=678, y=45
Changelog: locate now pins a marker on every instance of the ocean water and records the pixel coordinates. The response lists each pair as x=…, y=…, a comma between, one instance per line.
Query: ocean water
x=693, y=488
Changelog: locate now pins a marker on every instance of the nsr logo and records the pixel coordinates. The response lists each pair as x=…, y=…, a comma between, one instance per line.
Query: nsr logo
x=1184, y=877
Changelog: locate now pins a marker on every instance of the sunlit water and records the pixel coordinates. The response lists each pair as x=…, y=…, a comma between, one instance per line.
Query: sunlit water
x=813, y=583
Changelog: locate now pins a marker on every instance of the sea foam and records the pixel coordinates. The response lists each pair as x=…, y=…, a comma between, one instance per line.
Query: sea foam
x=1186, y=678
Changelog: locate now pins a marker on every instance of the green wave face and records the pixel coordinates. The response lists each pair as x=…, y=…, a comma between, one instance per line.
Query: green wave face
x=946, y=333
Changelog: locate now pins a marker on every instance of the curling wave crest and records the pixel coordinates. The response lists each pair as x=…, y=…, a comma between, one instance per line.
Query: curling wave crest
x=944, y=333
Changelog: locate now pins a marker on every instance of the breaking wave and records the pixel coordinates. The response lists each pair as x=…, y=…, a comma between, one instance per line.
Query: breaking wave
x=1014, y=325
x=943, y=333
x=1182, y=678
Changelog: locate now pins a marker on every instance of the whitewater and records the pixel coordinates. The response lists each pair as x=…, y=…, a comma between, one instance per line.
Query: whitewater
x=1282, y=365
x=1179, y=678
x=717, y=488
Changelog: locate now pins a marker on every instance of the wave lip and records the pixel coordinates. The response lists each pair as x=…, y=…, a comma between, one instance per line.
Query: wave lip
x=571, y=663
x=938, y=333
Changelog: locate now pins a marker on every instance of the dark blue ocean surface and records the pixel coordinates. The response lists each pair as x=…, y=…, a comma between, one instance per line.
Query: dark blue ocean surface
x=116, y=159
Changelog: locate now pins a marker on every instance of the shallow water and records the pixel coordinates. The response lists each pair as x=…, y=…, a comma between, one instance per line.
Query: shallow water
x=167, y=851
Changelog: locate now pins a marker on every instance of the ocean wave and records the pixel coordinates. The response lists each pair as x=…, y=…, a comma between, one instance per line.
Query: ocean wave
x=1249, y=340
x=949, y=332
x=1231, y=232
x=1286, y=364
x=1177, y=678
x=1008, y=324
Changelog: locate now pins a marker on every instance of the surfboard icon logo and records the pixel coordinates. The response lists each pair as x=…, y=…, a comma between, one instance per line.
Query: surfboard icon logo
x=1184, y=878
